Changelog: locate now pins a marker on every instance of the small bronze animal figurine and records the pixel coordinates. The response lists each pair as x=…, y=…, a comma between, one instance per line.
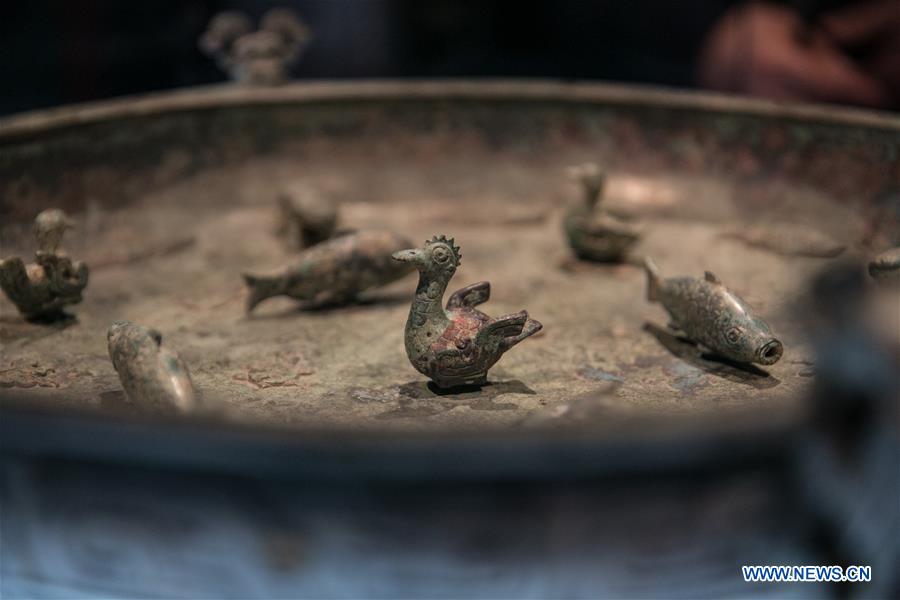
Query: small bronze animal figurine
x=335, y=271
x=223, y=31
x=592, y=234
x=885, y=268
x=262, y=57
x=154, y=378
x=458, y=345
x=294, y=33
x=307, y=217
x=40, y=291
x=710, y=314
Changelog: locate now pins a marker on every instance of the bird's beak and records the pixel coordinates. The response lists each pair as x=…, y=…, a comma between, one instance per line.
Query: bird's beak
x=409, y=256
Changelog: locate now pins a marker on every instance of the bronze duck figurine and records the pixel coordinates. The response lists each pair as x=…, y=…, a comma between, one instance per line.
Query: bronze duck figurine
x=455, y=346
x=43, y=289
x=595, y=235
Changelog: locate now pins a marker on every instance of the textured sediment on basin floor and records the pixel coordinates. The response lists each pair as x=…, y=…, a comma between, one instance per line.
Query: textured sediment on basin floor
x=173, y=262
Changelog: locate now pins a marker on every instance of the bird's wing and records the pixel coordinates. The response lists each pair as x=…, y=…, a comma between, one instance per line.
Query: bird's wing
x=470, y=296
x=608, y=225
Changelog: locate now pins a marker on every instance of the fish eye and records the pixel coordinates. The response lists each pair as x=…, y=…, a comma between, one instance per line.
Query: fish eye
x=733, y=335
x=440, y=255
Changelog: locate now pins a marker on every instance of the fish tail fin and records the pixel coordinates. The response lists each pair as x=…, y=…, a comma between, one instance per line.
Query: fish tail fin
x=260, y=289
x=653, y=279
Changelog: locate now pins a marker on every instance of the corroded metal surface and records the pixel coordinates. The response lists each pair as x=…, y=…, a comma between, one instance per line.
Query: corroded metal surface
x=712, y=315
x=456, y=346
x=154, y=378
x=174, y=200
x=42, y=290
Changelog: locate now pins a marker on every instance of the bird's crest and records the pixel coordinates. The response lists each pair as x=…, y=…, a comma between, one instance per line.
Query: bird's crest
x=449, y=242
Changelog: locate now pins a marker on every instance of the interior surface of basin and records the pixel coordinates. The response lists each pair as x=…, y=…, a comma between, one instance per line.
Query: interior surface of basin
x=174, y=197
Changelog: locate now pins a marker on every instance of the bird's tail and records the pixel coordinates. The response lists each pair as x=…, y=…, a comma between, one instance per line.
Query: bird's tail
x=260, y=288
x=530, y=328
x=653, y=279
x=14, y=281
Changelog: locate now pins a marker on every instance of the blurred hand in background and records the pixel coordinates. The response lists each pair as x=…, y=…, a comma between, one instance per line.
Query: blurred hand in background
x=839, y=51
x=850, y=55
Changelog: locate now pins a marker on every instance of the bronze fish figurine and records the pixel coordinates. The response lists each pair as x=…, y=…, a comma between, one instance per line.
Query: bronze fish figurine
x=885, y=267
x=153, y=377
x=42, y=290
x=592, y=234
x=712, y=315
x=335, y=271
x=456, y=346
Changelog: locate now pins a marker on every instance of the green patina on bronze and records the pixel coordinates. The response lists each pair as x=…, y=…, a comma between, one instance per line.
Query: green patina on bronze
x=712, y=315
x=154, y=378
x=41, y=290
x=455, y=346
x=594, y=234
x=335, y=271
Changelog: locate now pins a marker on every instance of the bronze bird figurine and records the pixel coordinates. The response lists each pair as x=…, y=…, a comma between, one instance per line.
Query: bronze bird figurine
x=41, y=290
x=712, y=315
x=593, y=234
x=455, y=346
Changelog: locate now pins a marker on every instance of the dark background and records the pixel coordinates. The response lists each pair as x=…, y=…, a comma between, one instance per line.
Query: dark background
x=58, y=52
x=62, y=52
